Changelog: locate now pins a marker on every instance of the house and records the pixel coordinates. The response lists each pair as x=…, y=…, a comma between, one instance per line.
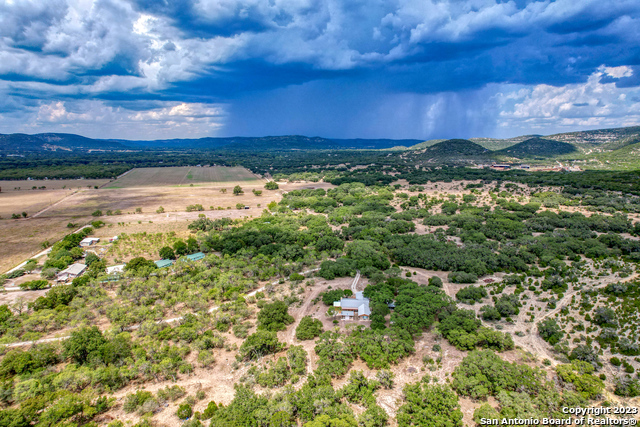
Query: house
x=164, y=263
x=89, y=241
x=356, y=307
x=115, y=269
x=501, y=167
x=195, y=257
x=71, y=272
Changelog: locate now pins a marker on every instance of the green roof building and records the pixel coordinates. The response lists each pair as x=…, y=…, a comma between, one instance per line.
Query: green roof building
x=164, y=263
x=195, y=257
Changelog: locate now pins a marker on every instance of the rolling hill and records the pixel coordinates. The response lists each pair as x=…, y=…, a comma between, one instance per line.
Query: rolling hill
x=20, y=142
x=537, y=147
x=452, y=148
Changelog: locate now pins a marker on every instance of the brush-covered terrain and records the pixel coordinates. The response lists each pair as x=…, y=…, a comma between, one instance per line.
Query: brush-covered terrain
x=490, y=298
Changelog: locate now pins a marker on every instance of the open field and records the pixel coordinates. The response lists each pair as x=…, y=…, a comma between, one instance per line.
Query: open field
x=31, y=202
x=50, y=184
x=185, y=176
x=23, y=238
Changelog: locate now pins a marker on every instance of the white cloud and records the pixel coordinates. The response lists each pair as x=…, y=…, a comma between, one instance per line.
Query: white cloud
x=99, y=120
x=584, y=105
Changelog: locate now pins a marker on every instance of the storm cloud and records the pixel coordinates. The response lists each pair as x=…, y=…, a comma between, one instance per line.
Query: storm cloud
x=398, y=69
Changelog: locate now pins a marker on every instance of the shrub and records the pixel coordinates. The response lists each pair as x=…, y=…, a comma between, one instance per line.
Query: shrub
x=133, y=401
x=171, y=393
x=34, y=285
x=274, y=317
x=271, y=185
x=462, y=277
x=210, y=410
x=259, y=344
x=471, y=294
x=578, y=374
x=184, y=411
x=195, y=208
x=435, y=281
x=308, y=328
x=550, y=331
x=429, y=405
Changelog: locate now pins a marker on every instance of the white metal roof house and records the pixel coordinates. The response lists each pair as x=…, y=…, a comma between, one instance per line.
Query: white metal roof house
x=356, y=307
x=115, y=269
x=71, y=272
x=89, y=241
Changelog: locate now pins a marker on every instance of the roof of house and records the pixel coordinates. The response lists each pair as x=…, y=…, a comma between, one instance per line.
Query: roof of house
x=76, y=269
x=363, y=310
x=360, y=303
x=351, y=302
x=90, y=240
x=163, y=263
x=115, y=269
x=195, y=257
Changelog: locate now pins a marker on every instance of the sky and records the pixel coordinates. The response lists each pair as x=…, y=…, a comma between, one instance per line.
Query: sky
x=421, y=69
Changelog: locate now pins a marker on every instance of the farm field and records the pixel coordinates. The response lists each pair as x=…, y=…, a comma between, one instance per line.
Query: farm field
x=50, y=184
x=185, y=176
x=23, y=238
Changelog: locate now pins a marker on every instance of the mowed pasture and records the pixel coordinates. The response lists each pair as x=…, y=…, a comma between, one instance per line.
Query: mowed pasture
x=185, y=176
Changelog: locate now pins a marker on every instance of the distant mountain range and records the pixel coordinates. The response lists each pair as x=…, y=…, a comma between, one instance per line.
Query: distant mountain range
x=22, y=143
x=585, y=144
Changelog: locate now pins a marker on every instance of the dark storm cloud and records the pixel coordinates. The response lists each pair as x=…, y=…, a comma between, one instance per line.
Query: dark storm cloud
x=278, y=66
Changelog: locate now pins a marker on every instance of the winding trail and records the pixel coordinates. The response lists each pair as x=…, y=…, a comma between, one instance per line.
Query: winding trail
x=532, y=341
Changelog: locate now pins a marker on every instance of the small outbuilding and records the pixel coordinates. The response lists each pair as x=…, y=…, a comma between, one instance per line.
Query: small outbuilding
x=89, y=241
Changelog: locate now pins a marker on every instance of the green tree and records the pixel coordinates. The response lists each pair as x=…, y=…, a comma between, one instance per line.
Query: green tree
x=373, y=416
x=308, y=328
x=259, y=344
x=271, y=185
x=91, y=258
x=84, y=344
x=184, y=411
x=343, y=420
x=550, y=331
x=140, y=265
x=429, y=405
x=167, y=253
x=237, y=190
x=435, y=281
x=180, y=247
x=34, y=285
x=274, y=317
